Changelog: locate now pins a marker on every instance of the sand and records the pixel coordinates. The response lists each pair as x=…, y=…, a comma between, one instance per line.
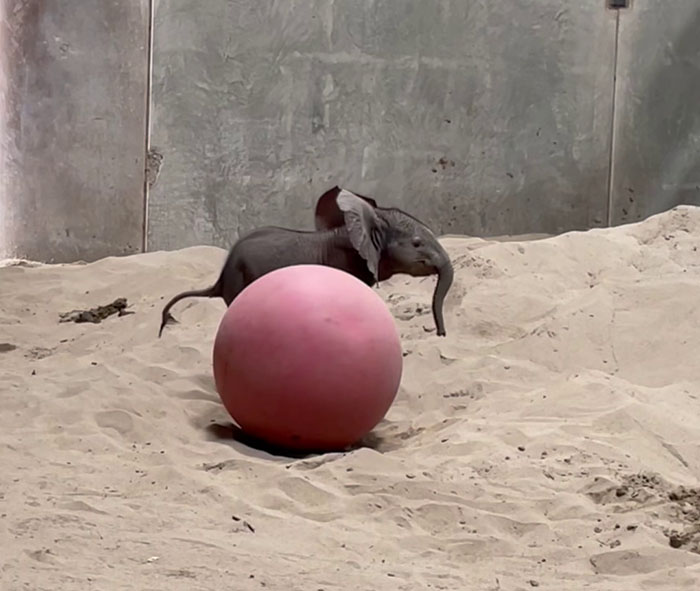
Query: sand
x=551, y=440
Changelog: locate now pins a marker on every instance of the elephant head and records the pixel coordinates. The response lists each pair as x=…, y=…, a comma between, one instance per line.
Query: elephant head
x=390, y=241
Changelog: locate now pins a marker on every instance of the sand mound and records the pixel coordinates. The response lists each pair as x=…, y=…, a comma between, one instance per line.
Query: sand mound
x=552, y=439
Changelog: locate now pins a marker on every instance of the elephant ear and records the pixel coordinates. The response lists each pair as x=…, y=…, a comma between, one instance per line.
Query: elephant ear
x=328, y=215
x=365, y=228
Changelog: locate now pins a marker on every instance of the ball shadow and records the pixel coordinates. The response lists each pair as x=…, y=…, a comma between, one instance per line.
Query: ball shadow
x=233, y=432
x=374, y=440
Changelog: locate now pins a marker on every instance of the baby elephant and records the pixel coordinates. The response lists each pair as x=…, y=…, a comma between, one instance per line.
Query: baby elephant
x=352, y=234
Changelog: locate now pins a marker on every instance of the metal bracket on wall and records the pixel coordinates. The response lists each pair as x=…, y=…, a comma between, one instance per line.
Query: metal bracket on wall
x=618, y=4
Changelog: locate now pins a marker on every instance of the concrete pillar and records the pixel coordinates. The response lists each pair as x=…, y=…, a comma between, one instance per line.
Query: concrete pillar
x=73, y=81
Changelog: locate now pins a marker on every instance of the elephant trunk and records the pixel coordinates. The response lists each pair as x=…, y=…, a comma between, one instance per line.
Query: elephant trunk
x=444, y=282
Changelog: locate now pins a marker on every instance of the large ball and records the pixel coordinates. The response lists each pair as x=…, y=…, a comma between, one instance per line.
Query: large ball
x=307, y=357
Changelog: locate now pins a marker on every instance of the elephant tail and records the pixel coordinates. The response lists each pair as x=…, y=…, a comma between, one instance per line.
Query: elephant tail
x=210, y=292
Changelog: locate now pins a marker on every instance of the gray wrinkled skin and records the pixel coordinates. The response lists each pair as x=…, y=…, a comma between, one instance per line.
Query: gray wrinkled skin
x=353, y=235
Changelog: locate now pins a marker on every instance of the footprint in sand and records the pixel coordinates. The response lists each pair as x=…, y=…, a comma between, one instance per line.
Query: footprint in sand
x=44, y=555
x=82, y=506
x=75, y=389
x=197, y=394
x=304, y=492
x=118, y=420
x=39, y=353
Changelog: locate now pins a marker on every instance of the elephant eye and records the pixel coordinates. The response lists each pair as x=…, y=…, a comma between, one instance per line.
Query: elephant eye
x=416, y=241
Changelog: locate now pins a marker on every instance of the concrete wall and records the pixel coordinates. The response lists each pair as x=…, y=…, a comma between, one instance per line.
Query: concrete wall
x=656, y=158
x=482, y=118
x=479, y=117
x=73, y=76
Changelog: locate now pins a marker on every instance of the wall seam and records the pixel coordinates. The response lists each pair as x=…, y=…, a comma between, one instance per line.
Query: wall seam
x=147, y=140
x=611, y=156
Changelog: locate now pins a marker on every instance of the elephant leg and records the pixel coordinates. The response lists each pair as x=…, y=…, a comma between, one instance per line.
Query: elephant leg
x=237, y=277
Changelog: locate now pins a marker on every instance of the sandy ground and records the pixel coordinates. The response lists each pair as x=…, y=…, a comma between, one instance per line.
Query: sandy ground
x=552, y=440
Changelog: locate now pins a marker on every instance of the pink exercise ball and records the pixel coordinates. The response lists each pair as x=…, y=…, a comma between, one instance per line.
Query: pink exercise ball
x=307, y=357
